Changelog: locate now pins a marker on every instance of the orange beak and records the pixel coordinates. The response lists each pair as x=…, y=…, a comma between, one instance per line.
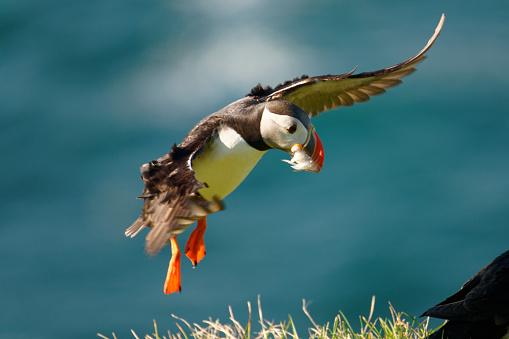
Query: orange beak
x=314, y=148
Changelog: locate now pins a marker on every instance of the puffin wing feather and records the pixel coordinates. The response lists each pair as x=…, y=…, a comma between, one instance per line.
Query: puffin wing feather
x=172, y=201
x=320, y=93
x=485, y=296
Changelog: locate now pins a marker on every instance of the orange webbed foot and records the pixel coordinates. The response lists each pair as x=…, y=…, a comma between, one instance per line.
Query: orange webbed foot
x=195, y=246
x=172, y=283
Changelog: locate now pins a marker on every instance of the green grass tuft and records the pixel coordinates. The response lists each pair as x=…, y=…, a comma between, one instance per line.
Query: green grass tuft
x=400, y=326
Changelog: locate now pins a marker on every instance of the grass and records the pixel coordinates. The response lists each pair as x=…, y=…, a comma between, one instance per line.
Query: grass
x=400, y=326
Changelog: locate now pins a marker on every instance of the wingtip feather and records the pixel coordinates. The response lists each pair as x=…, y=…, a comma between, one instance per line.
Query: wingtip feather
x=135, y=228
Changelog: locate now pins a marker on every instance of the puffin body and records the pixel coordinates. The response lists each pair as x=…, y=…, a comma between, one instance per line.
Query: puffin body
x=190, y=182
x=245, y=133
x=228, y=152
x=480, y=309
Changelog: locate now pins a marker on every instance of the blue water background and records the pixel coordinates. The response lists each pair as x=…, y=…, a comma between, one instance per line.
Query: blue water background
x=412, y=201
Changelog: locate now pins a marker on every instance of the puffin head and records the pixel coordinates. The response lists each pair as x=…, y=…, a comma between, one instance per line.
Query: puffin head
x=286, y=127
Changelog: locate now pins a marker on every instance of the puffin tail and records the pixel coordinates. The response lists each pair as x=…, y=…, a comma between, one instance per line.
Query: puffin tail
x=135, y=228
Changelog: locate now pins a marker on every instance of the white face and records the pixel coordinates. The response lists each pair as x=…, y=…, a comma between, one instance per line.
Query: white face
x=282, y=131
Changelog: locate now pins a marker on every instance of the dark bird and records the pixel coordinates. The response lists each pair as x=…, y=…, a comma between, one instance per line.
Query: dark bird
x=480, y=309
x=190, y=182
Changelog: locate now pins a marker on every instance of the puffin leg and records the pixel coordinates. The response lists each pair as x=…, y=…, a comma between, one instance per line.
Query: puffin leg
x=195, y=247
x=172, y=283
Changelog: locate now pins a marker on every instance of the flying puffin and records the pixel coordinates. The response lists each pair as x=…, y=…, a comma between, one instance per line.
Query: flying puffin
x=190, y=182
x=480, y=309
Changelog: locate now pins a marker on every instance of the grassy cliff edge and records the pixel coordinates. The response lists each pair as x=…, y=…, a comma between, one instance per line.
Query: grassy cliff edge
x=400, y=326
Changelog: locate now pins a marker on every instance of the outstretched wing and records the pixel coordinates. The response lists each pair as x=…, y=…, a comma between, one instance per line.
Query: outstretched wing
x=172, y=202
x=321, y=93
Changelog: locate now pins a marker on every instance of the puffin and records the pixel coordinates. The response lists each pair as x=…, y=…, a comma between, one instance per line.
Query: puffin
x=480, y=309
x=192, y=180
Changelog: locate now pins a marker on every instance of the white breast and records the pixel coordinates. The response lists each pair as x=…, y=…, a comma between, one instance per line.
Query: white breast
x=225, y=163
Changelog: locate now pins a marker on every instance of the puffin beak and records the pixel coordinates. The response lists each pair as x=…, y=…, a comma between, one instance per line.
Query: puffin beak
x=307, y=156
x=313, y=147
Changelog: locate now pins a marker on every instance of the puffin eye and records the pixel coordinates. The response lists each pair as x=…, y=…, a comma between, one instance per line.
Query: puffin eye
x=292, y=128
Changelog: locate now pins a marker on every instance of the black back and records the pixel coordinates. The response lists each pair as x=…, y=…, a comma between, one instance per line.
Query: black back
x=480, y=309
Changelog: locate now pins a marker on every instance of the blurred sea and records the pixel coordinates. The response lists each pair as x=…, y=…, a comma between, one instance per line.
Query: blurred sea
x=412, y=201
